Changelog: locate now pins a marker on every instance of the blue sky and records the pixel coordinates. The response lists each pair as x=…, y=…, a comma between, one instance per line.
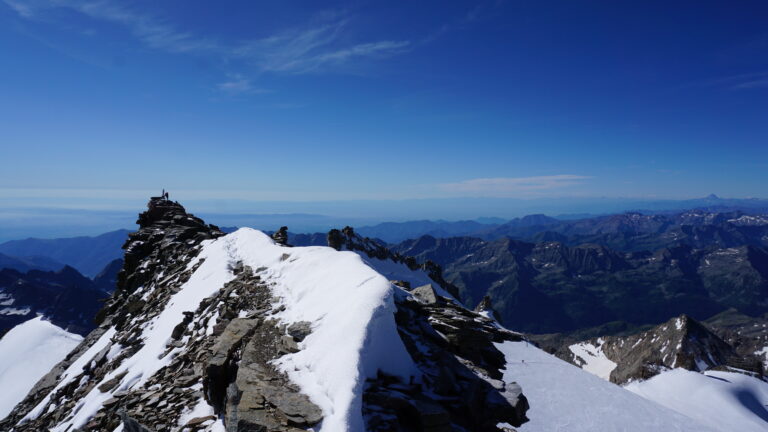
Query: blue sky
x=107, y=101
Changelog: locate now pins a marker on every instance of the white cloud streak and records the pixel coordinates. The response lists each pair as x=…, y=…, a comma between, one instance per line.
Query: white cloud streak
x=238, y=84
x=738, y=82
x=311, y=48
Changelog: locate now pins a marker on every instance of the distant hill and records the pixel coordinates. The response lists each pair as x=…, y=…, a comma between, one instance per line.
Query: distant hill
x=24, y=264
x=89, y=255
x=394, y=232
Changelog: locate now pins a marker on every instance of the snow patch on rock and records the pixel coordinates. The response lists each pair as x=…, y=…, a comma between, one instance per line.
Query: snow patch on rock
x=593, y=359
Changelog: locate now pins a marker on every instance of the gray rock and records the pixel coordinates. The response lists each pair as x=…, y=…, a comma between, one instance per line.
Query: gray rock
x=426, y=294
x=300, y=330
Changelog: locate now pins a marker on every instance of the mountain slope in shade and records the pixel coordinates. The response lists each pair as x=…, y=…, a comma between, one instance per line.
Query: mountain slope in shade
x=89, y=255
x=725, y=401
x=565, y=398
x=65, y=297
x=551, y=287
x=746, y=334
x=27, y=353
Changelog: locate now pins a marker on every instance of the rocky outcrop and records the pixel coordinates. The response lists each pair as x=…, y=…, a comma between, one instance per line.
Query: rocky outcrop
x=681, y=342
x=746, y=334
x=453, y=348
x=281, y=236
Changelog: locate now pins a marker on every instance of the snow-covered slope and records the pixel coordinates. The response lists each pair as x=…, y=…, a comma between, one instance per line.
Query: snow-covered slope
x=564, y=398
x=349, y=305
x=725, y=401
x=27, y=352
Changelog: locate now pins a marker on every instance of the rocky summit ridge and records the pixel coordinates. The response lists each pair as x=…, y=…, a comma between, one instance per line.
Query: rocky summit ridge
x=191, y=341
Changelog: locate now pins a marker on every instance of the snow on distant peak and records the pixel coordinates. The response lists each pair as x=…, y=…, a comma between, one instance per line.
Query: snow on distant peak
x=27, y=352
x=592, y=359
x=747, y=220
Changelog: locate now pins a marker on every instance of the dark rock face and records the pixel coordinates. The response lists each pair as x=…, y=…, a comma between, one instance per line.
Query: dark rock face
x=66, y=298
x=681, y=342
x=453, y=348
x=747, y=335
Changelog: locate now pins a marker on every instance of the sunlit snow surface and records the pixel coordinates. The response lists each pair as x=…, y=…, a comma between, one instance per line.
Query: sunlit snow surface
x=351, y=308
x=564, y=398
x=27, y=352
x=726, y=401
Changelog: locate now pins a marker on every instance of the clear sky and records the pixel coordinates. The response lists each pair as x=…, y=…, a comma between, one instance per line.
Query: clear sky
x=335, y=100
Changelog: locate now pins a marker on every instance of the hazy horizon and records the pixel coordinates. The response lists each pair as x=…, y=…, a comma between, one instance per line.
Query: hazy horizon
x=305, y=217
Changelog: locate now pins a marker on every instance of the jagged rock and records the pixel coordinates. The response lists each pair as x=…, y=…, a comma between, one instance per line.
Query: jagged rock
x=300, y=330
x=452, y=362
x=130, y=424
x=426, y=294
x=281, y=236
x=346, y=238
x=335, y=239
x=199, y=420
x=219, y=370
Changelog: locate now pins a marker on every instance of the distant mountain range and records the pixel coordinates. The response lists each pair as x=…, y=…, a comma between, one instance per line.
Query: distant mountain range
x=65, y=297
x=88, y=255
x=544, y=274
x=26, y=263
x=605, y=229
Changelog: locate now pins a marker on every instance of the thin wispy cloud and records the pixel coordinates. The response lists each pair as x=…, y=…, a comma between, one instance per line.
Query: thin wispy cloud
x=315, y=46
x=738, y=81
x=238, y=84
x=512, y=186
x=302, y=50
